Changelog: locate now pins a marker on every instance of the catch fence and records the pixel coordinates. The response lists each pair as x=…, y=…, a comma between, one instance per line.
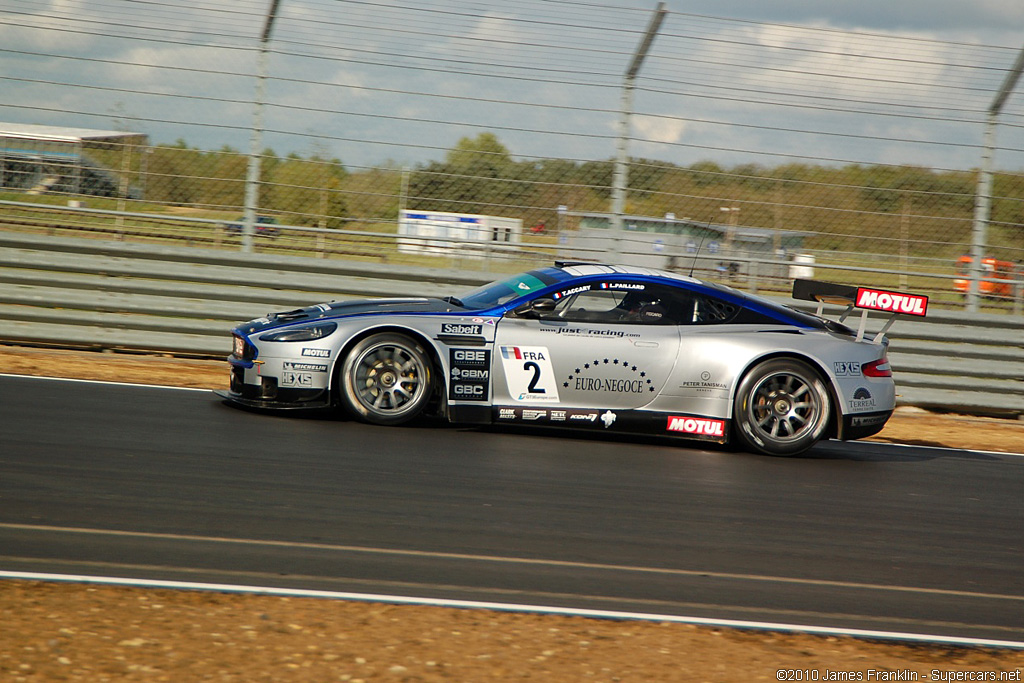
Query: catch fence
x=752, y=150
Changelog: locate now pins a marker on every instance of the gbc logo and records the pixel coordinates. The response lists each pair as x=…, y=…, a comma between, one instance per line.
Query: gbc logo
x=465, y=356
x=468, y=390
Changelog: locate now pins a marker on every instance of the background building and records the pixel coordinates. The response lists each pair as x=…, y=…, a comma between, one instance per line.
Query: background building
x=43, y=159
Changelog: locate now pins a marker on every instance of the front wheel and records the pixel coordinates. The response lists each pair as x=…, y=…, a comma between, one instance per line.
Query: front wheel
x=386, y=379
x=781, y=407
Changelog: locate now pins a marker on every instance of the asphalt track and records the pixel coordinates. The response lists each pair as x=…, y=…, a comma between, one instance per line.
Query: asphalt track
x=159, y=483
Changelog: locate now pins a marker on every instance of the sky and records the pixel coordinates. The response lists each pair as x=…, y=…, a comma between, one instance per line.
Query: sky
x=396, y=82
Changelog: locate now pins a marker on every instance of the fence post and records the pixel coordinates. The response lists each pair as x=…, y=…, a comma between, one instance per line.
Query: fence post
x=252, y=180
x=619, y=182
x=983, y=201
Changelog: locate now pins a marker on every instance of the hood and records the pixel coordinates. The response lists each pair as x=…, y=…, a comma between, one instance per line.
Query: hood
x=341, y=309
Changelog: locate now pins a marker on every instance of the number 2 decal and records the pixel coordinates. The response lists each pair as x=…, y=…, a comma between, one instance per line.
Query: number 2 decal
x=533, y=388
x=528, y=374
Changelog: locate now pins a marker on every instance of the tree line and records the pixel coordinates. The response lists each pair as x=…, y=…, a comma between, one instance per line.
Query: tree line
x=838, y=206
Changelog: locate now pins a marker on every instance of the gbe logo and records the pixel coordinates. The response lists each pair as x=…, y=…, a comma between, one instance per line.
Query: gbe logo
x=466, y=356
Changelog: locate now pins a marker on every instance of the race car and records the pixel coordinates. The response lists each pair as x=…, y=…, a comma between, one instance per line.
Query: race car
x=587, y=346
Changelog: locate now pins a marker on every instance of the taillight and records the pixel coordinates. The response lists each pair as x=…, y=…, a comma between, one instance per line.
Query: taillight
x=878, y=368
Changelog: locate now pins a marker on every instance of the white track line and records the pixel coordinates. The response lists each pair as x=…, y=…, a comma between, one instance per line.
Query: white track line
x=508, y=607
x=499, y=559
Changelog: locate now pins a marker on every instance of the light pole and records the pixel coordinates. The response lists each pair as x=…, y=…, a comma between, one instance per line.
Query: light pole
x=252, y=179
x=983, y=201
x=622, y=155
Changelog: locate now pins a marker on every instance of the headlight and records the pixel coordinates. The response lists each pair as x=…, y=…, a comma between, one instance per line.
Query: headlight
x=242, y=349
x=300, y=334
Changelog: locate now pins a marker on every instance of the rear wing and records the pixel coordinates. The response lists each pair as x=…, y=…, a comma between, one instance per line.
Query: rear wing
x=864, y=298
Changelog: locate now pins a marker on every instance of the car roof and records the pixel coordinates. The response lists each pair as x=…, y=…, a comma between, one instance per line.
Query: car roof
x=774, y=310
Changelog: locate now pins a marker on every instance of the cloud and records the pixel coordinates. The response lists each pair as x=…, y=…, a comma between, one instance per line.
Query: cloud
x=840, y=80
x=658, y=129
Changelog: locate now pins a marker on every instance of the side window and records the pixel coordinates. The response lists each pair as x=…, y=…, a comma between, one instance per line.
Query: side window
x=623, y=303
x=596, y=305
x=636, y=304
x=710, y=310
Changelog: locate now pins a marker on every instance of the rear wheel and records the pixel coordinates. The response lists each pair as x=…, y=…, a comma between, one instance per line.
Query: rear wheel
x=386, y=379
x=781, y=407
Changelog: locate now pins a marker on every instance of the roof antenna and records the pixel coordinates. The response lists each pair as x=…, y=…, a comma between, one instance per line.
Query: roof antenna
x=703, y=235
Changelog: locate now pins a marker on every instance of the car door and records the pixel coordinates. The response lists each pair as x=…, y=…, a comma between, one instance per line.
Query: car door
x=590, y=346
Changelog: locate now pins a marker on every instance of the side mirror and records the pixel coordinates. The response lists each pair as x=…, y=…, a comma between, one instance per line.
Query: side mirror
x=534, y=309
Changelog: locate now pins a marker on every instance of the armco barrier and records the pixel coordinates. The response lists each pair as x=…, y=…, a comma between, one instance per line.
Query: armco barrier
x=113, y=295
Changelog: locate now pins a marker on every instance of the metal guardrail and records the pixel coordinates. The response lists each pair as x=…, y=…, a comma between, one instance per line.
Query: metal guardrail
x=103, y=294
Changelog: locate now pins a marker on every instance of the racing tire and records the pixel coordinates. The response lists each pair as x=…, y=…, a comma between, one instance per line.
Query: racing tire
x=386, y=379
x=782, y=407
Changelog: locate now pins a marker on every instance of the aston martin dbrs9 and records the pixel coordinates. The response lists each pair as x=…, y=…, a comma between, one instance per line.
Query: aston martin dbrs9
x=595, y=347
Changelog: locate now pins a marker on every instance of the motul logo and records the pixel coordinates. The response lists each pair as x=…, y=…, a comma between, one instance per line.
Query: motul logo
x=880, y=300
x=696, y=425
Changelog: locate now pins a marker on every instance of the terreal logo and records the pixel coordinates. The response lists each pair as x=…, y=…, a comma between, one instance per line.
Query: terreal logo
x=696, y=425
x=862, y=400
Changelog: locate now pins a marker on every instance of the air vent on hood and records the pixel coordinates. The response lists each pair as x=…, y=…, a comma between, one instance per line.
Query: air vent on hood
x=289, y=315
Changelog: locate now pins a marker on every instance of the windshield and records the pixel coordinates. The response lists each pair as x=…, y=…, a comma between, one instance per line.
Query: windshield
x=504, y=291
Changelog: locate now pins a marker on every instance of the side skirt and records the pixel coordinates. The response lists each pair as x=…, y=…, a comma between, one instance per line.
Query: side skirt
x=647, y=422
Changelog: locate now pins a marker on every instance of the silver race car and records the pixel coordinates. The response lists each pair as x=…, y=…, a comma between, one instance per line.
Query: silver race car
x=597, y=347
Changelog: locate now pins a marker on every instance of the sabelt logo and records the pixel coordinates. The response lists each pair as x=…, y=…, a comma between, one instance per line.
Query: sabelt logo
x=892, y=302
x=455, y=328
x=696, y=425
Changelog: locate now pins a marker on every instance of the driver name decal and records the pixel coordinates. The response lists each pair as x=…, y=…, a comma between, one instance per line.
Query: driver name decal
x=529, y=374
